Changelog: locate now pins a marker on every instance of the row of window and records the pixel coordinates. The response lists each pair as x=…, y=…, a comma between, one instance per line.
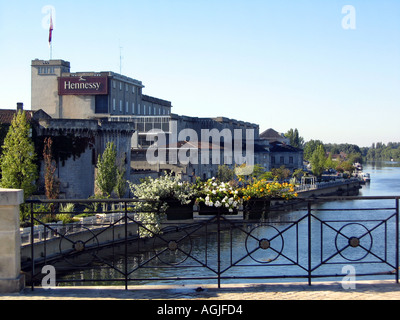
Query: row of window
x=46, y=70
x=281, y=160
x=145, y=110
x=121, y=86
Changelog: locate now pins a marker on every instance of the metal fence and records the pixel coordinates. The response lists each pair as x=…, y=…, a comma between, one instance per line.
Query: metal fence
x=112, y=243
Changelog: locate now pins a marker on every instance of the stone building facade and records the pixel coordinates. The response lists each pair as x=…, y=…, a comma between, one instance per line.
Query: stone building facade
x=78, y=142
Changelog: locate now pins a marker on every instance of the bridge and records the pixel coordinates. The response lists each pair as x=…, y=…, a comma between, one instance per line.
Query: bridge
x=302, y=247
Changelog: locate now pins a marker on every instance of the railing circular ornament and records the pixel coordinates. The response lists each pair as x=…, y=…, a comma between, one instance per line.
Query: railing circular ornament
x=79, y=252
x=172, y=251
x=264, y=243
x=353, y=241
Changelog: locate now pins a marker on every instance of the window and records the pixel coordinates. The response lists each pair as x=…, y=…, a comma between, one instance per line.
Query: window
x=114, y=84
x=133, y=108
x=144, y=109
x=282, y=160
x=127, y=107
x=120, y=105
x=133, y=89
x=46, y=70
x=272, y=159
x=120, y=86
x=291, y=160
x=114, y=104
x=138, y=108
x=126, y=87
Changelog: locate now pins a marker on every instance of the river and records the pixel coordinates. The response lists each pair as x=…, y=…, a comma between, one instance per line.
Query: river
x=287, y=244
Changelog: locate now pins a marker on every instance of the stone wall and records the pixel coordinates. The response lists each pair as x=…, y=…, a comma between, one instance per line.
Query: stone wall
x=77, y=171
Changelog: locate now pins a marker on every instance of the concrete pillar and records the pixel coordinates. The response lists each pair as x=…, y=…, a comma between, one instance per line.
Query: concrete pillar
x=11, y=279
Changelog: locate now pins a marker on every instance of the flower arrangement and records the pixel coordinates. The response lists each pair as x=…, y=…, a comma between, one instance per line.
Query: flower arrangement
x=161, y=189
x=164, y=188
x=219, y=194
x=259, y=189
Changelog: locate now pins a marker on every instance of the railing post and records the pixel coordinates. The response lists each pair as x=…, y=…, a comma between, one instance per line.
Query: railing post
x=309, y=242
x=32, y=245
x=126, y=246
x=397, y=240
x=11, y=279
x=219, y=247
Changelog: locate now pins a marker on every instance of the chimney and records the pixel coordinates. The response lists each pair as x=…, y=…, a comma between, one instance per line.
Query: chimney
x=20, y=106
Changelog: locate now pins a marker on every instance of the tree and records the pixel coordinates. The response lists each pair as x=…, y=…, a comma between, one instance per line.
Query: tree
x=121, y=183
x=318, y=161
x=106, y=178
x=295, y=139
x=310, y=147
x=17, y=163
x=281, y=173
x=51, y=182
x=225, y=173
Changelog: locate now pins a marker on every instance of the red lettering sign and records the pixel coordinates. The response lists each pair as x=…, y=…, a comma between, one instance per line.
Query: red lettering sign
x=82, y=85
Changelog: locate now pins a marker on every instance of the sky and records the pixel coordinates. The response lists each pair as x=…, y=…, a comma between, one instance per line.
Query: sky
x=329, y=68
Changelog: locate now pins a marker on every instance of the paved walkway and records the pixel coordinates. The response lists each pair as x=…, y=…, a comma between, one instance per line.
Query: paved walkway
x=365, y=290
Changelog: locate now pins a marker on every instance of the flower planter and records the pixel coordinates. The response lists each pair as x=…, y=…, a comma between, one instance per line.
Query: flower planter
x=207, y=210
x=203, y=212
x=178, y=211
x=257, y=208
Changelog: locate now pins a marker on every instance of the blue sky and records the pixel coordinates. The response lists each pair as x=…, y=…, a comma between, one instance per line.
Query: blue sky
x=281, y=64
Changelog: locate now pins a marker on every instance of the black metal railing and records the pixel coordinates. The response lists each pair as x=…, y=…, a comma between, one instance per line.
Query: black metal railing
x=114, y=243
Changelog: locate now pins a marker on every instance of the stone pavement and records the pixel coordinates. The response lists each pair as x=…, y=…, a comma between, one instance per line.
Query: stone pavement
x=364, y=290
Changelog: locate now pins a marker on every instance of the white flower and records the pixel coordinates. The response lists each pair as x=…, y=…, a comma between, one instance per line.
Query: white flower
x=217, y=204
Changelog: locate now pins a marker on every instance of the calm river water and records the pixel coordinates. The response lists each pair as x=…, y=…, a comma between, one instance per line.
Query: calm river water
x=287, y=252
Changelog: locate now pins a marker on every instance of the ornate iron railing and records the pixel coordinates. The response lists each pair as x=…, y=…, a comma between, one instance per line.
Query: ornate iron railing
x=113, y=245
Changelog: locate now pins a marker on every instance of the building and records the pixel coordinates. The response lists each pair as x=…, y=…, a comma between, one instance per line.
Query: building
x=86, y=95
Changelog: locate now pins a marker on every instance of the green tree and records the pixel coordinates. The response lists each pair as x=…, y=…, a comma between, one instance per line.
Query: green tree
x=281, y=173
x=17, y=163
x=106, y=178
x=295, y=139
x=310, y=147
x=318, y=161
x=121, y=183
x=225, y=173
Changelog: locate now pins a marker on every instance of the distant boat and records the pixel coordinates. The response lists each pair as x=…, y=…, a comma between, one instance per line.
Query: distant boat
x=366, y=177
x=358, y=166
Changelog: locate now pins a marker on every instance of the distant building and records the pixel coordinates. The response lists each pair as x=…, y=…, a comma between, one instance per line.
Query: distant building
x=273, y=136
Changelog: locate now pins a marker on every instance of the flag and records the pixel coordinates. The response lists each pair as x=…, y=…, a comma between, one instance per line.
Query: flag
x=50, y=29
